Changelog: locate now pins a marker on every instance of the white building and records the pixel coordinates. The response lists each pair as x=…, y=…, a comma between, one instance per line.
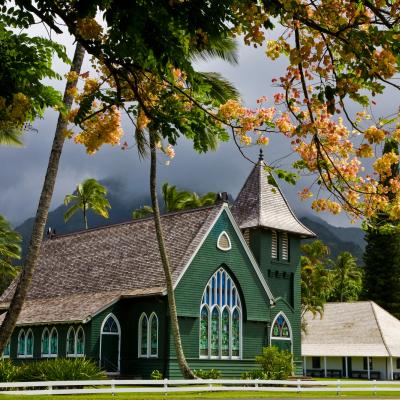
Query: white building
x=355, y=340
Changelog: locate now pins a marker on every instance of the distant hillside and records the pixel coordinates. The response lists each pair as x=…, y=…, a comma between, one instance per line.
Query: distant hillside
x=337, y=238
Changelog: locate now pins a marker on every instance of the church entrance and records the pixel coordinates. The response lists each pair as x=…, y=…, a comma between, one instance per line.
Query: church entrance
x=110, y=344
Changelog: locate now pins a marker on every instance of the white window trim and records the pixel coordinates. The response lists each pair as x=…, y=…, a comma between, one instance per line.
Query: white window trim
x=271, y=338
x=152, y=316
x=231, y=308
x=229, y=241
x=76, y=342
x=25, y=355
x=53, y=355
x=71, y=329
x=112, y=334
x=45, y=355
x=140, y=354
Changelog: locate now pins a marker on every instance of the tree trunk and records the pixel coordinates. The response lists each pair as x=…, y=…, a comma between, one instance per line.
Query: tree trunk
x=85, y=216
x=183, y=365
x=24, y=280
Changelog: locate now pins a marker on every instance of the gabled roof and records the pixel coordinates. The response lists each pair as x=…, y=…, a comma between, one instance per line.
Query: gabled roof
x=261, y=203
x=122, y=257
x=352, y=329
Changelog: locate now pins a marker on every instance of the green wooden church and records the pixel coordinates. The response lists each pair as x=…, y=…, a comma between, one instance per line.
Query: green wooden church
x=101, y=293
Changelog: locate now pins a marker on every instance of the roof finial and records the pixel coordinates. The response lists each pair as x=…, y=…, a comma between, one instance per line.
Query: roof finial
x=261, y=156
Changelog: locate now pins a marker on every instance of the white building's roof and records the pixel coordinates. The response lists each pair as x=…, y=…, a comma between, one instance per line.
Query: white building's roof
x=352, y=329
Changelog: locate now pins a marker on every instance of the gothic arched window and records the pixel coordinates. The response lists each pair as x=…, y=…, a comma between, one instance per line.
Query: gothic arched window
x=280, y=328
x=220, y=318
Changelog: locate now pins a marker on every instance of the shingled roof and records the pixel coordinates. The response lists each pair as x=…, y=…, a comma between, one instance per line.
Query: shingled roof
x=261, y=203
x=110, y=262
x=352, y=329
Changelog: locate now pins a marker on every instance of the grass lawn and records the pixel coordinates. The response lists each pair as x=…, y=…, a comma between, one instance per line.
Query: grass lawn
x=216, y=395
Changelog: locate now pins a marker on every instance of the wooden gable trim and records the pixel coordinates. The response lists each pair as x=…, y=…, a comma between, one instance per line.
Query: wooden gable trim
x=253, y=261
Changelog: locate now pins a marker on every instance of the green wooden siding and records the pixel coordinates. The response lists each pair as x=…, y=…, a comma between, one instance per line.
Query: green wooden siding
x=255, y=302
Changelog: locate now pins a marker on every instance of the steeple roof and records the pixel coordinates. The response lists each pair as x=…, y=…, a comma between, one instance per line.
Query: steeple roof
x=261, y=203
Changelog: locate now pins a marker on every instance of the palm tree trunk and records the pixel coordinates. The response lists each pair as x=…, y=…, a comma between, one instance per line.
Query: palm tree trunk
x=183, y=365
x=21, y=290
x=85, y=216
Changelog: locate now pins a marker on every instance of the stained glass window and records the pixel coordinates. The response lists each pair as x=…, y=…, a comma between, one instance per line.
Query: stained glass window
x=143, y=323
x=235, y=333
x=153, y=335
x=220, y=318
x=71, y=342
x=280, y=328
x=225, y=333
x=29, y=344
x=80, y=342
x=204, y=331
x=215, y=332
x=45, y=342
x=21, y=343
x=6, y=352
x=54, y=342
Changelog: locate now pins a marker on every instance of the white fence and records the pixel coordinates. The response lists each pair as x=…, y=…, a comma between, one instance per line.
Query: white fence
x=198, y=385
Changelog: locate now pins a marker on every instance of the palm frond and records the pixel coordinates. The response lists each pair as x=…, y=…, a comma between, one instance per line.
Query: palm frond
x=224, y=48
x=145, y=211
x=11, y=137
x=220, y=88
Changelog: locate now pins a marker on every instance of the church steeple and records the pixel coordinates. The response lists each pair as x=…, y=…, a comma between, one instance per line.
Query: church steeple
x=261, y=203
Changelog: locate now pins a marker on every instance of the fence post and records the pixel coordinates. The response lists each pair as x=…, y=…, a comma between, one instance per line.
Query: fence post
x=50, y=388
x=165, y=386
x=298, y=385
x=113, y=387
x=256, y=384
x=374, y=387
x=210, y=386
x=338, y=387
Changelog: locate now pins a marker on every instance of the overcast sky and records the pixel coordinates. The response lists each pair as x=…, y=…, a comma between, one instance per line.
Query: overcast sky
x=22, y=170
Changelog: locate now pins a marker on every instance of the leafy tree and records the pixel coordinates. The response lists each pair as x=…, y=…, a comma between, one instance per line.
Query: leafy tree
x=10, y=250
x=176, y=200
x=382, y=252
x=346, y=279
x=25, y=277
x=89, y=195
x=275, y=363
x=315, y=282
x=25, y=62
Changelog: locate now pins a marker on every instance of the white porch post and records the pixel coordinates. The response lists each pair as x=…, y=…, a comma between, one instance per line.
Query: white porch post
x=369, y=372
x=391, y=368
x=347, y=367
x=304, y=365
x=325, y=370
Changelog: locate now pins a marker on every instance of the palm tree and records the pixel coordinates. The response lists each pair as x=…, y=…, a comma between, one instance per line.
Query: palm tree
x=89, y=195
x=176, y=200
x=25, y=277
x=346, y=279
x=10, y=249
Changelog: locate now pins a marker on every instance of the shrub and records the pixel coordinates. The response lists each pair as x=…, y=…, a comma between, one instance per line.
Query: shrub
x=58, y=369
x=156, y=375
x=207, y=374
x=8, y=371
x=275, y=363
x=255, y=374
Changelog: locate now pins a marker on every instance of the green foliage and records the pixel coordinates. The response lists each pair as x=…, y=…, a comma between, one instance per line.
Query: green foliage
x=315, y=283
x=255, y=374
x=275, y=363
x=89, y=195
x=207, y=374
x=10, y=250
x=177, y=200
x=8, y=371
x=25, y=63
x=156, y=375
x=58, y=369
x=345, y=279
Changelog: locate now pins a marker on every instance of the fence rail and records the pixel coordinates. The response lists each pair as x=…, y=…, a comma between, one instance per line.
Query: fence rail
x=197, y=385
